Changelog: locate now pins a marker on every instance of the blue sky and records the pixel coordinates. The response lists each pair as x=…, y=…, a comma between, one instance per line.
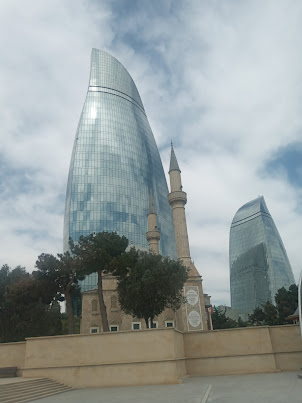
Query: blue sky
x=222, y=79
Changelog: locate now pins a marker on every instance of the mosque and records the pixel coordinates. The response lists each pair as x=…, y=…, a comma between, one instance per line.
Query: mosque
x=194, y=315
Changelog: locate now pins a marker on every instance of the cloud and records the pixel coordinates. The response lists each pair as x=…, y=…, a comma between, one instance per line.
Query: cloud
x=222, y=79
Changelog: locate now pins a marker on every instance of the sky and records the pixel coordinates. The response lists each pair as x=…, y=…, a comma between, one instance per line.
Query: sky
x=222, y=79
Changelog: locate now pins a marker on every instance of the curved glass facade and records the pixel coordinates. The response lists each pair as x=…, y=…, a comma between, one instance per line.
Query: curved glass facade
x=115, y=164
x=259, y=265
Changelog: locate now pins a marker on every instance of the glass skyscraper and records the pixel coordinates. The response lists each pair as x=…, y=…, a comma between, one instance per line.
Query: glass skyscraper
x=115, y=164
x=259, y=265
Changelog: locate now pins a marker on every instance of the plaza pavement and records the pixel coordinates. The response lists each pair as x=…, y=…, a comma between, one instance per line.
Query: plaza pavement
x=280, y=387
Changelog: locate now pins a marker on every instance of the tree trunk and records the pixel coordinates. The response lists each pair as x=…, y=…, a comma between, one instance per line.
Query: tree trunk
x=102, y=303
x=69, y=308
x=147, y=322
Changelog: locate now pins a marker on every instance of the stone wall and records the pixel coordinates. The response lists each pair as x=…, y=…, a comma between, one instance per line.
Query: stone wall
x=12, y=355
x=229, y=351
x=243, y=350
x=105, y=359
x=155, y=356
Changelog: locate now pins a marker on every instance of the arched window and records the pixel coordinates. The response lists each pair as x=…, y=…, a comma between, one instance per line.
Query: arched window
x=94, y=305
x=113, y=302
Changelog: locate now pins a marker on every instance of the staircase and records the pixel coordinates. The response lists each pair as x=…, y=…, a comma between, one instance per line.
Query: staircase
x=28, y=390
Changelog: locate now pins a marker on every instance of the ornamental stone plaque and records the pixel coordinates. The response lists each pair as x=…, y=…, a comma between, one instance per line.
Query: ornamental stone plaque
x=192, y=297
x=194, y=318
x=193, y=309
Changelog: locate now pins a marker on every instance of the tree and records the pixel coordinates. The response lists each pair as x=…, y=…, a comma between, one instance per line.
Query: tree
x=220, y=321
x=46, y=275
x=8, y=277
x=102, y=253
x=61, y=274
x=24, y=314
x=287, y=302
x=257, y=317
x=17, y=274
x=271, y=317
x=242, y=323
x=266, y=315
x=69, y=272
x=65, y=324
x=4, y=281
x=151, y=285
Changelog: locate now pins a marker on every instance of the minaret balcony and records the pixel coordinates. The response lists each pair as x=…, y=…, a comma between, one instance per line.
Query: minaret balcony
x=177, y=197
x=153, y=235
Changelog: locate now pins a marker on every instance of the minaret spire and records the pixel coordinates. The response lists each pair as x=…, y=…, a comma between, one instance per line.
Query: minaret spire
x=153, y=234
x=173, y=161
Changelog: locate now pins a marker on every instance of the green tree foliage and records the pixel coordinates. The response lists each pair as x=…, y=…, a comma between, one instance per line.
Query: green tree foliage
x=270, y=314
x=23, y=311
x=257, y=317
x=242, y=323
x=287, y=302
x=65, y=324
x=8, y=276
x=4, y=281
x=45, y=275
x=267, y=315
x=103, y=253
x=220, y=321
x=151, y=285
x=60, y=275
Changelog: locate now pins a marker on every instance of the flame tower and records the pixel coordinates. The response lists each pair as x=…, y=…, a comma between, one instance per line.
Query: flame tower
x=115, y=164
x=259, y=265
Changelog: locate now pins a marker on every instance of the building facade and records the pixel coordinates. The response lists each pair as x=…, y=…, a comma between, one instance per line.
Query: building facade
x=115, y=165
x=259, y=265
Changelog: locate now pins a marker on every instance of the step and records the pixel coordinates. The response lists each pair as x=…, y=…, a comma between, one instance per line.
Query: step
x=30, y=390
x=25, y=384
x=35, y=396
x=24, y=392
